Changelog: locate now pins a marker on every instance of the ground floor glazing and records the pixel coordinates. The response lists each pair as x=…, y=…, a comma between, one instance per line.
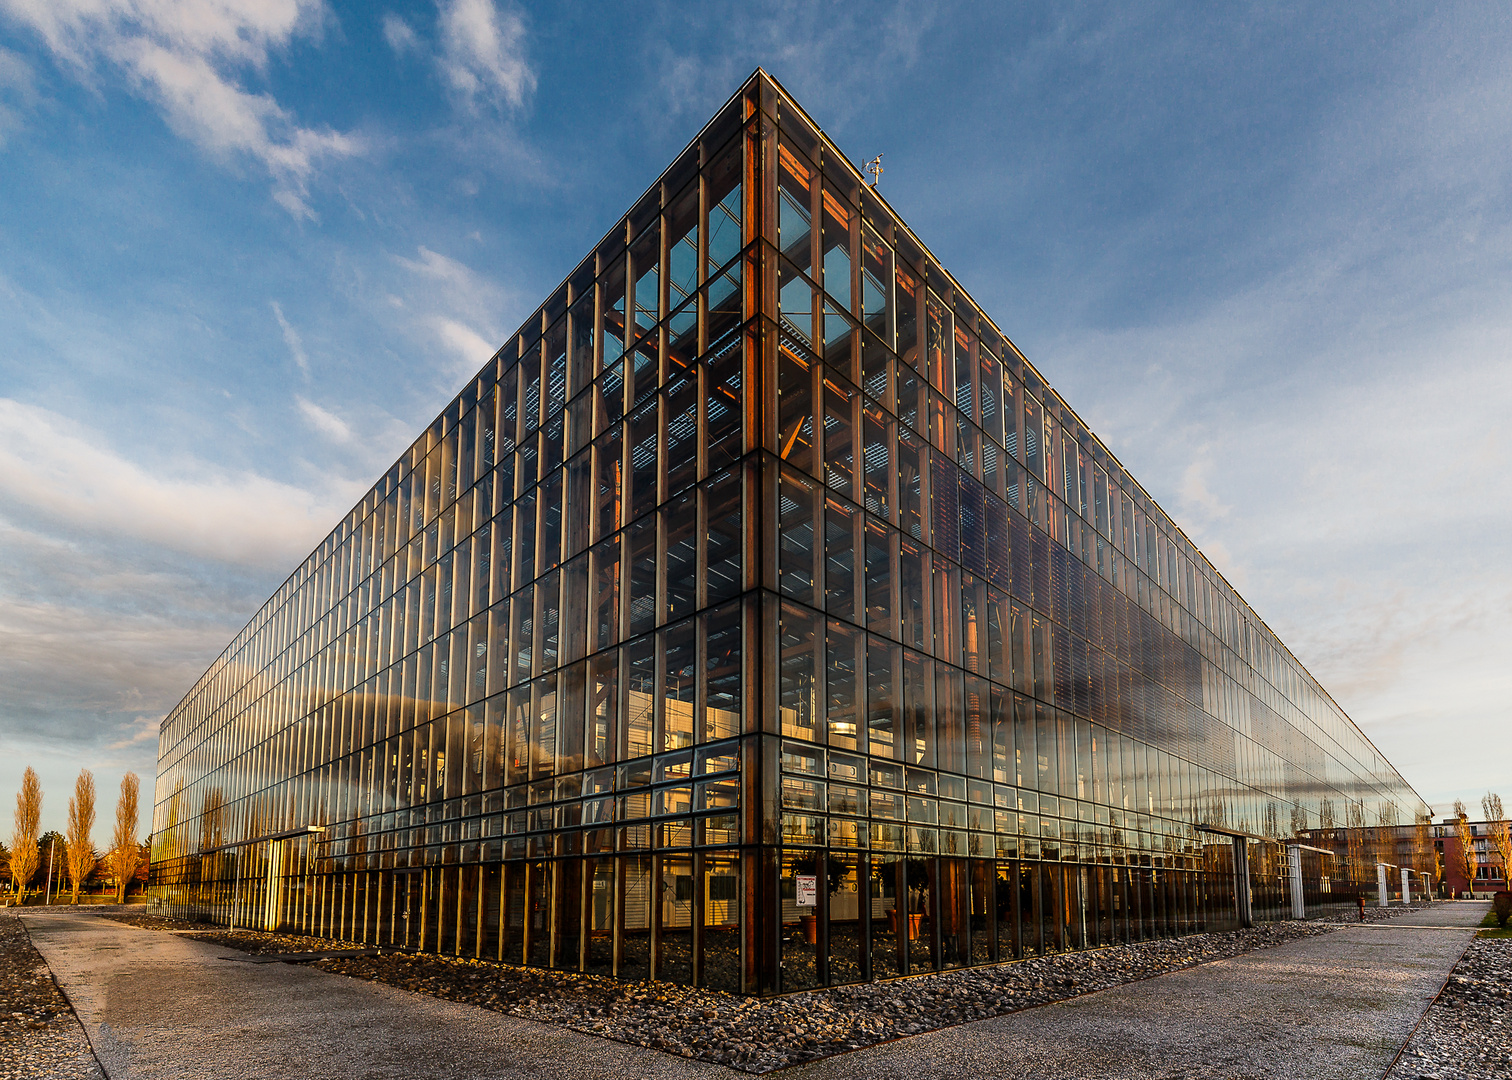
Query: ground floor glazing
x=747, y=920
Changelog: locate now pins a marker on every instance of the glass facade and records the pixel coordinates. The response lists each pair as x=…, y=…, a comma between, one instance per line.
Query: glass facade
x=757, y=618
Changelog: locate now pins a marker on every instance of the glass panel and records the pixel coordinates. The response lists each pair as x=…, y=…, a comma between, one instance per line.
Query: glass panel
x=799, y=673
x=842, y=687
x=721, y=923
x=795, y=410
x=835, y=244
x=679, y=647
x=843, y=885
x=725, y=204
x=682, y=247
x=675, y=959
x=599, y=947
x=800, y=924
x=919, y=873
x=636, y=892
x=722, y=693
x=645, y=262
x=798, y=506
x=889, y=921
x=795, y=214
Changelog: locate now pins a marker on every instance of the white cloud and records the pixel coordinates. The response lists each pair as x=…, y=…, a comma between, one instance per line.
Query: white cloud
x=400, y=36
x=322, y=420
x=433, y=264
x=470, y=347
x=482, y=53
x=1194, y=487
x=61, y=471
x=291, y=339
x=461, y=309
x=184, y=57
x=139, y=730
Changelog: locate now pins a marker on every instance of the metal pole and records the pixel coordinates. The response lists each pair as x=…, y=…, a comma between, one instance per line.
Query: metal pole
x=1242, y=901
x=235, y=887
x=1294, y=872
x=52, y=855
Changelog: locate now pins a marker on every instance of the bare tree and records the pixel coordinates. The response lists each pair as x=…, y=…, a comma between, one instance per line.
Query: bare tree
x=1496, y=824
x=1467, y=857
x=81, y=816
x=25, y=857
x=125, y=855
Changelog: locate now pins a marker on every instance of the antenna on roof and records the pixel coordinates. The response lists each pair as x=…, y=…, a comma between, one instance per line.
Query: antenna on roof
x=874, y=166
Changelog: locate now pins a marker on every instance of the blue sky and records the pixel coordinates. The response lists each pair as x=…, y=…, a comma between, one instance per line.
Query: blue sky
x=249, y=247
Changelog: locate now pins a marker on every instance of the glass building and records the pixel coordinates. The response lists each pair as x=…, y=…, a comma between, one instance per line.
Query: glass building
x=758, y=618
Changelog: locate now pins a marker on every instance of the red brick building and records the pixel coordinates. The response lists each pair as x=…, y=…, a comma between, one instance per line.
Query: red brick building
x=1490, y=875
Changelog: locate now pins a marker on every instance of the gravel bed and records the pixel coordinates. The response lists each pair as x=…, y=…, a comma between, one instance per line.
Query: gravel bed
x=39, y=1035
x=1467, y=1033
x=759, y=1035
x=256, y=942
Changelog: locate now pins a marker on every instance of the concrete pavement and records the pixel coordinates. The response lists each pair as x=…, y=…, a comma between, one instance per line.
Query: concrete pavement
x=159, y=1006
x=1334, y=1007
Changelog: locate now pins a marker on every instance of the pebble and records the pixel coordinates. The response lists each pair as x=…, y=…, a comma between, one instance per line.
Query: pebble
x=40, y=1038
x=1467, y=1033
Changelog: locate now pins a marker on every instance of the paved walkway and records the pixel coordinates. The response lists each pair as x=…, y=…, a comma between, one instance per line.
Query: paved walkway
x=160, y=1006
x=1335, y=1007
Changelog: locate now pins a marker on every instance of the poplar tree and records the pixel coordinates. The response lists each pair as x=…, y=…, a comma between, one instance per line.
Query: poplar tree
x=81, y=816
x=125, y=856
x=25, y=857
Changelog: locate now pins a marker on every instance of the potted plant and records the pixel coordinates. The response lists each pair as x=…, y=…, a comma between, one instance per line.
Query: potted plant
x=918, y=884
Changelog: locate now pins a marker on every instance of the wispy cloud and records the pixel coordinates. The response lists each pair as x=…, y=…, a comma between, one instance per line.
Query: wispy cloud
x=18, y=90
x=99, y=636
x=324, y=421
x=455, y=306
x=62, y=472
x=433, y=264
x=292, y=339
x=186, y=59
x=828, y=54
x=121, y=580
x=470, y=348
x=400, y=35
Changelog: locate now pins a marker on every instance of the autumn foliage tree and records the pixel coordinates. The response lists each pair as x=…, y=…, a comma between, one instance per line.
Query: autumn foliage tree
x=1467, y=859
x=1496, y=825
x=125, y=854
x=24, y=854
x=81, y=816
